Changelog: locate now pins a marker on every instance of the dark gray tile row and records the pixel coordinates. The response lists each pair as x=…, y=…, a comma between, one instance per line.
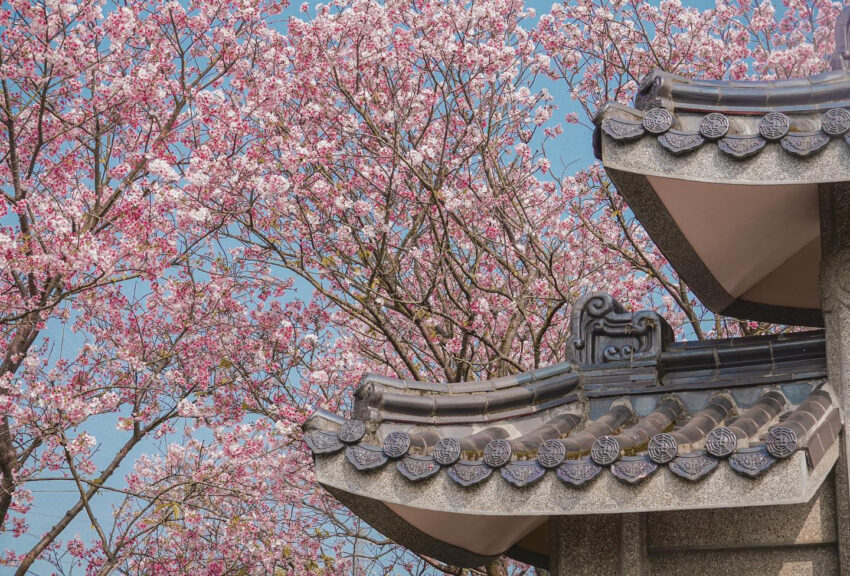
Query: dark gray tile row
x=818, y=92
x=616, y=352
x=714, y=127
x=466, y=402
x=664, y=447
x=608, y=449
x=551, y=453
x=724, y=440
x=633, y=449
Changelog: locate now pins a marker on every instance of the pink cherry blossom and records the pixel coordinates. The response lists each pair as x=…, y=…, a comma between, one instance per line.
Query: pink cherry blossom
x=216, y=220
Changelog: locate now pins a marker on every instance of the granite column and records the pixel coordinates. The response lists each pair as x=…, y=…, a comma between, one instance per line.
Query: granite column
x=834, y=285
x=598, y=545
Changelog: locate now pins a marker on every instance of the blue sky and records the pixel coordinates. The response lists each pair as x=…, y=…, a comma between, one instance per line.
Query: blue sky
x=572, y=151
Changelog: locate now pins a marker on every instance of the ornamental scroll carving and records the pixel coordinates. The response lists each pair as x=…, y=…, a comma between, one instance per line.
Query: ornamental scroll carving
x=604, y=332
x=649, y=91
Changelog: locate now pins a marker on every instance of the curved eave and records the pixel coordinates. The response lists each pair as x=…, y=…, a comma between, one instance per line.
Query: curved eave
x=790, y=481
x=642, y=153
x=465, y=509
x=706, y=211
x=725, y=177
x=417, y=515
x=711, y=424
x=693, y=269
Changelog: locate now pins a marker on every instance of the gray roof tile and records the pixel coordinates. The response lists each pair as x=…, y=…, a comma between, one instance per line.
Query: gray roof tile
x=539, y=421
x=802, y=115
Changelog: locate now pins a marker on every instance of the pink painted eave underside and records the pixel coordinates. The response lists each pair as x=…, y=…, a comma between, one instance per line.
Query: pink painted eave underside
x=761, y=243
x=486, y=535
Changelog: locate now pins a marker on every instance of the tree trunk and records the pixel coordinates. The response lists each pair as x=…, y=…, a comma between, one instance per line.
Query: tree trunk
x=498, y=567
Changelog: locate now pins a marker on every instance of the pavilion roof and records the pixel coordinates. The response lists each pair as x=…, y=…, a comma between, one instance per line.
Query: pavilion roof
x=725, y=176
x=632, y=422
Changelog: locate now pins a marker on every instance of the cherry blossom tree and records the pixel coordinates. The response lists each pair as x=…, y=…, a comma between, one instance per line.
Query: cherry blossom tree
x=419, y=200
x=174, y=339
x=416, y=196
x=216, y=219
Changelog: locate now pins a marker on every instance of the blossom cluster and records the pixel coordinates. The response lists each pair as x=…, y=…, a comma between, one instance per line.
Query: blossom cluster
x=215, y=221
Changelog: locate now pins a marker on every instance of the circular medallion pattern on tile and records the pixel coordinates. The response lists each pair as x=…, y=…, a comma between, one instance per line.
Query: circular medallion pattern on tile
x=551, y=453
x=774, y=126
x=352, y=431
x=605, y=450
x=721, y=442
x=836, y=121
x=497, y=453
x=447, y=451
x=396, y=444
x=662, y=448
x=714, y=126
x=657, y=121
x=781, y=442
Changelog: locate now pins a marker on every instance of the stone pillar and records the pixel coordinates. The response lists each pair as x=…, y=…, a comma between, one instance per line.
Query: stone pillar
x=633, y=545
x=834, y=284
x=600, y=545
